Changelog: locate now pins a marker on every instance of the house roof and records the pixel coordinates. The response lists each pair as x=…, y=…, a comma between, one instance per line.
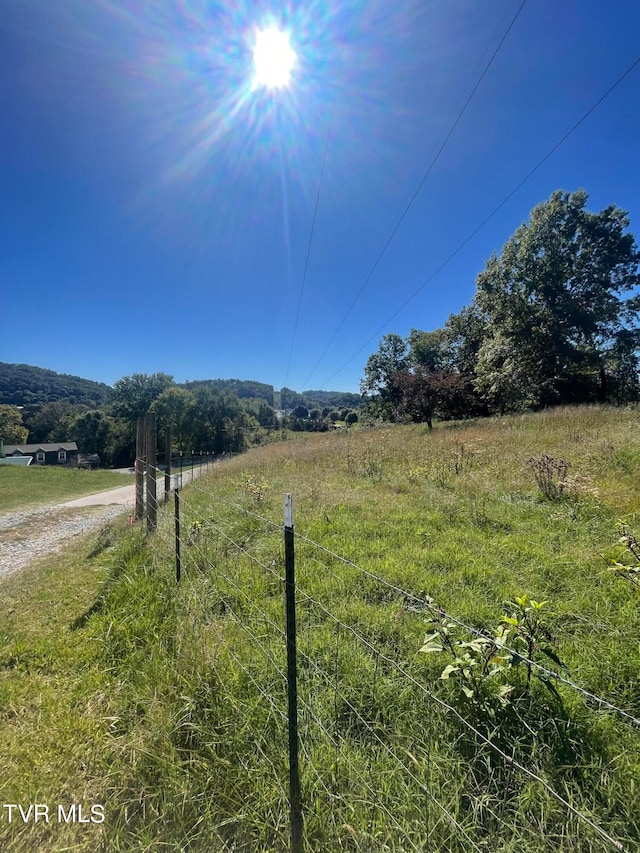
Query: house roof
x=69, y=446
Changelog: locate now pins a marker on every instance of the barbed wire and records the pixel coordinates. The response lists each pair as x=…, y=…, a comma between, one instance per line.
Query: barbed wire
x=451, y=709
x=429, y=604
x=443, y=705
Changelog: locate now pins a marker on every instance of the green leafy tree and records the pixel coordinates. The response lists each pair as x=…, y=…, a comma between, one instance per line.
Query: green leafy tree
x=553, y=301
x=53, y=421
x=176, y=407
x=134, y=395
x=12, y=430
x=91, y=431
x=262, y=412
x=429, y=350
x=391, y=358
x=222, y=423
x=290, y=399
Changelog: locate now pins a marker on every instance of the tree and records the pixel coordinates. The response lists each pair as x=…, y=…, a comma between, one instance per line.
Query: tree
x=91, y=430
x=221, y=422
x=392, y=357
x=430, y=350
x=133, y=395
x=176, y=407
x=53, y=421
x=290, y=399
x=12, y=430
x=300, y=412
x=553, y=303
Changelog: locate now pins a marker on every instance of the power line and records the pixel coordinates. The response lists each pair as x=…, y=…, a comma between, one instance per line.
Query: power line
x=416, y=192
x=313, y=224
x=487, y=219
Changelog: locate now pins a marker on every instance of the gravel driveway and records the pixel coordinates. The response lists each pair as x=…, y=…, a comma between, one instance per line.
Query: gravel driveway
x=27, y=534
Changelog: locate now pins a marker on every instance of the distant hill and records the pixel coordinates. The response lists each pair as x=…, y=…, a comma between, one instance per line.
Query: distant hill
x=334, y=399
x=25, y=385
x=31, y=387
x=243, y=388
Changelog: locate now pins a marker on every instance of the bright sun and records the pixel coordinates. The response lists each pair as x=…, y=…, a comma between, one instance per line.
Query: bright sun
x=273, y=58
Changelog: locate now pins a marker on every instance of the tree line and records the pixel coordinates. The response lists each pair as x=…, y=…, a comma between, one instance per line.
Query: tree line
x=554, y=320
x=206, y=417
x=213, y=416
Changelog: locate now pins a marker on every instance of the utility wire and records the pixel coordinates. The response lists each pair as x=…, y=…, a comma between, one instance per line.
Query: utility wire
x=416, y=192
x=313, y=224
x=487, y=219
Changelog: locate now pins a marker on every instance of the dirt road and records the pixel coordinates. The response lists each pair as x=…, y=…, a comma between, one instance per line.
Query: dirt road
x=30, y=533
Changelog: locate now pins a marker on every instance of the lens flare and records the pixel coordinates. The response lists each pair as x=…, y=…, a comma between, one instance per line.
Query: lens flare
x=273, y=59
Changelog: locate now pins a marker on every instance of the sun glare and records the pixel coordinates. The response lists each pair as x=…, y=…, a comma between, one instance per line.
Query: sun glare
x=273, y=59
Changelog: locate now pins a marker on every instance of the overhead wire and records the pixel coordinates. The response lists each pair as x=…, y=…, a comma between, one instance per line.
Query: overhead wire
x=313, y=225
x=487, y=219
x=416, y=192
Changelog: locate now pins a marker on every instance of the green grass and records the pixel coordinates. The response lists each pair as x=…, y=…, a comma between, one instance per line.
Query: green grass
x=34, y=485
x=166, y=703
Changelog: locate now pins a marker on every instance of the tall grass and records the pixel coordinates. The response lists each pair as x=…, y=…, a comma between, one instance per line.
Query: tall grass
x=167, y=703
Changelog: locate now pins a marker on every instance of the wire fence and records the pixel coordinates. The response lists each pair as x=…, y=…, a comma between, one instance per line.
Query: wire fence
x=387, y=761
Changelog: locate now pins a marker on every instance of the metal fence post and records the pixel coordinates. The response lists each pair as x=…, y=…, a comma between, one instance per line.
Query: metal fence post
x=295, y=799
x=176, y=495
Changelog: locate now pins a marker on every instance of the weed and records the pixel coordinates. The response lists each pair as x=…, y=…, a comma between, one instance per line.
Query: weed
x=550, y=475
x=624, y=567
x=483, y=665
x=255, y=487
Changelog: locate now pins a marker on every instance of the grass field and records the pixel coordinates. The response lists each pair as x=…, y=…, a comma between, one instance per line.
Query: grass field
x=35, y=484
x=166, y=703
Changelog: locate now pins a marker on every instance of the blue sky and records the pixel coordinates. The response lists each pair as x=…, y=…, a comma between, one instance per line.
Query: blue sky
x=156, y=213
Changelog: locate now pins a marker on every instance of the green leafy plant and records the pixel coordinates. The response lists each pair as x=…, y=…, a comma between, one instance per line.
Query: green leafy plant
x=485, y=666
x=255, y=487
x=623, y=566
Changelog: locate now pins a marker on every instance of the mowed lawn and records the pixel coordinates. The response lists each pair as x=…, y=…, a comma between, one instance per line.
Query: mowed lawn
x=34, y=485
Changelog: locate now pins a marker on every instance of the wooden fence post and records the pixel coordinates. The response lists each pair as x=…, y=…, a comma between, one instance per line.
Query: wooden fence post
x=167, y=460
x=152, y=500
x=139, y=469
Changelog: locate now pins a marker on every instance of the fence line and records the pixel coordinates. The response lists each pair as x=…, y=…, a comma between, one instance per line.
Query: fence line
x=424, y=603
x=314, y=665
x=427, y=603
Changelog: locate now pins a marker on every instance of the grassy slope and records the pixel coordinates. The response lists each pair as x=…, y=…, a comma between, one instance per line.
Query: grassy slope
x=165, y=704
x=23, y=487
